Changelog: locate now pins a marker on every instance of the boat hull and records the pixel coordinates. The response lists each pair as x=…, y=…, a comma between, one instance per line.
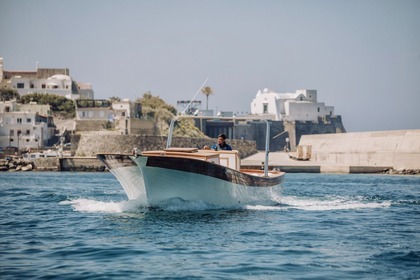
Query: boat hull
x=156, y=179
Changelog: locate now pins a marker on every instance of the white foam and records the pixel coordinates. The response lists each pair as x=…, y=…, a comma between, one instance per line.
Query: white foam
x=263, y=207
x=330, y=203
x=90, y=205
x=327, y=203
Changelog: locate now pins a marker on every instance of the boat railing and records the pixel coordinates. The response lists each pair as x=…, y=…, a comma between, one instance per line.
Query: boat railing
x=267, y=136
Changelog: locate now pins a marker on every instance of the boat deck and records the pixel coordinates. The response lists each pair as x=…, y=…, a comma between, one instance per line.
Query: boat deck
x=229, y=159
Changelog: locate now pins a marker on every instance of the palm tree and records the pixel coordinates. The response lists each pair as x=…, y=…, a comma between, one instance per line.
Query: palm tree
x=207, y=91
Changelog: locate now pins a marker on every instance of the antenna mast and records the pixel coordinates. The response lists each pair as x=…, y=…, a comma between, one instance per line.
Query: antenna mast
x=194, y=96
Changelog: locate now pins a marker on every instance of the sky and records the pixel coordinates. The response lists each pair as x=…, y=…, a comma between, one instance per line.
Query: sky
x=362, y=56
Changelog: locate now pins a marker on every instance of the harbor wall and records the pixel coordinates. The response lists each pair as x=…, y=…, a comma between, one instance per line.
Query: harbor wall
x=399, y=149
x=88, y=145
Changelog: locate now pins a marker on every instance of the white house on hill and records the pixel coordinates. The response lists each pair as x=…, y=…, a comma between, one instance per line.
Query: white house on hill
x=45, y=80
x=25, y=125
x=299, y=106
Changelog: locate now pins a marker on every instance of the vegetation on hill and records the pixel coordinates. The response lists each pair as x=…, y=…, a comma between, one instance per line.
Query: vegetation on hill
x=153, y=108
x=60, y=106
x=156, y=109
x=7, y=94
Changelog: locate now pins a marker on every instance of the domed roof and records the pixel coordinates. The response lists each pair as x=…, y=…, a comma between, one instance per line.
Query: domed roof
x=60, y=77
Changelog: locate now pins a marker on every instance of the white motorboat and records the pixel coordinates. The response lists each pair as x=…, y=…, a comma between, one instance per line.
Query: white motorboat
x=195, y=175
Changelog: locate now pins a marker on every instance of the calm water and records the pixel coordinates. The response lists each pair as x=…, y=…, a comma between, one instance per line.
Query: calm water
x=80, y=225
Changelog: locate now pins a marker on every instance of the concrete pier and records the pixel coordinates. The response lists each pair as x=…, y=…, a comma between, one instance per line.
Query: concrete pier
x=358, y=152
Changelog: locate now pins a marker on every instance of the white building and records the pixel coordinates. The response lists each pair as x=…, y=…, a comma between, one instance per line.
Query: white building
x=45, y=80
x=126, y=109
x=299, y=106
x=94, y=110
x=25, y=125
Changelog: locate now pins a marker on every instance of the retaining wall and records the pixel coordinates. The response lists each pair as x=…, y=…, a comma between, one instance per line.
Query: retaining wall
x=88, y=145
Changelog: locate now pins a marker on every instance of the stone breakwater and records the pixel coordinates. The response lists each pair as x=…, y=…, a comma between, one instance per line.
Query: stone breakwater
x=16, y=164
x=402, y=172
x=79, y=164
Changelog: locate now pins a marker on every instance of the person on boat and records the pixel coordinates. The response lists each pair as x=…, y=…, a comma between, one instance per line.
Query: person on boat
x=221, y=144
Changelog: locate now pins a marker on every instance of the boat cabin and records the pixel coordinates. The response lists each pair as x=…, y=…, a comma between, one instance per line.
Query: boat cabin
x=229, y=159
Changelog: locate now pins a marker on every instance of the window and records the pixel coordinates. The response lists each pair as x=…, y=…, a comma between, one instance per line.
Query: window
x=12, y=132
x=7, y=109
x=20, y=85
x=123, y=114
x=265, y=108
x=32, y=86
x=19, y=120
x=318, y=109
x=43, y=86
x=28, y=132
x=28, y=120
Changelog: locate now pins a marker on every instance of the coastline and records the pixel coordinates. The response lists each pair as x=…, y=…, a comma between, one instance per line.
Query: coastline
x=279, y=160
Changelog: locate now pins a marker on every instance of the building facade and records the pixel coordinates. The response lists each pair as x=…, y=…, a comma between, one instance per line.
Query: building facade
x=118, y=117
x=299, y=106
x=25, y=126
x=45, y=80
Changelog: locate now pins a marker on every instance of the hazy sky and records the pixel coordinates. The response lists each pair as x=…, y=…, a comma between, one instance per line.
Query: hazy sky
x=363, y=56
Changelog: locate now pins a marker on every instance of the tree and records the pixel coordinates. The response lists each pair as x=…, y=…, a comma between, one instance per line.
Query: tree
x=59, y=104
x=7, y=94
x=207, y=91
x=114, y=99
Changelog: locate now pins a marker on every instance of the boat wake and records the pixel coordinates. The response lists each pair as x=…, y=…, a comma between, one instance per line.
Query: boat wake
x=90, y=205
x=134, y=206
x=327, y=203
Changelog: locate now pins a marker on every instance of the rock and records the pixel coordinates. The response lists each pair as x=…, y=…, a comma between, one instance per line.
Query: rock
x=27, y=167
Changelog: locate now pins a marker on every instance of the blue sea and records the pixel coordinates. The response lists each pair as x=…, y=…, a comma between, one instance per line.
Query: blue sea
x=59, y=225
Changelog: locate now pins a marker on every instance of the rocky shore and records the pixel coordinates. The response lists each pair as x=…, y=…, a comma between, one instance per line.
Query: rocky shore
x=402, y=172
x=16, y=164
x=13, y=164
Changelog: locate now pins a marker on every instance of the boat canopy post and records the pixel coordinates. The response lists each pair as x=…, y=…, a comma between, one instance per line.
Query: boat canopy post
x=267, y=136
x=267, y=148
x=171, y=130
